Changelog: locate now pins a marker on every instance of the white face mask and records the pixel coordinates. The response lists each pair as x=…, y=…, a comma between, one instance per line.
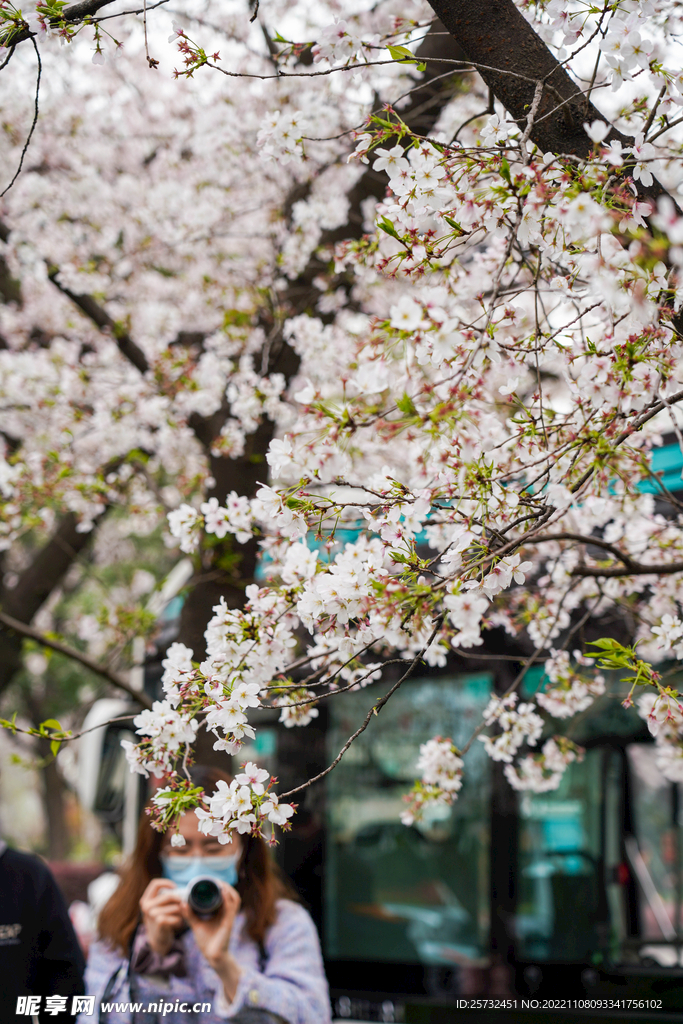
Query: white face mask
x=182, y=870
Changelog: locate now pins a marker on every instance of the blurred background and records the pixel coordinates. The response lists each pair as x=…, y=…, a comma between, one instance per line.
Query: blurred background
x=575, y=891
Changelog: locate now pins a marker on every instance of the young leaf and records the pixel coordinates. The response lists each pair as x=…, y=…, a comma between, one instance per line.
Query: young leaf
x=454, y=224
x=387, y=226
x=52, y=723
x=403, y=54
x=406, y=405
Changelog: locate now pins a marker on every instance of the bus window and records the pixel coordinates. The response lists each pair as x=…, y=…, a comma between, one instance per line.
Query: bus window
x=561, y=905
x=655, y=852
x=392, y=893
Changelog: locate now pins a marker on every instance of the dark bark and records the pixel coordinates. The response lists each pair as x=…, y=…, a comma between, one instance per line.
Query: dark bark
x=73, y=14
x=52, y=788
x=35, y=584
x=10, y=288
x=511, y=59
x=54, y=803
x=99, y=316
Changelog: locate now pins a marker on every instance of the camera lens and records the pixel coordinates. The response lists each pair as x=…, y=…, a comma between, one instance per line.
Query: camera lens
x=205, y=897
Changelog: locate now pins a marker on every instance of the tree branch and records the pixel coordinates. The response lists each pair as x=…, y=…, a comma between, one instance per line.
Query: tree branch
x=637, y=569
x=495, y=35
x=70, y=652
x=631, y=429
x=73, y=14
x=595, y=541
x=101, y=319
x=631, y=567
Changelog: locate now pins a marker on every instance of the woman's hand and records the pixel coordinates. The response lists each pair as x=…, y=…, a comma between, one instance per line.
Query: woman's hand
x=212, y=936
x=162, y=914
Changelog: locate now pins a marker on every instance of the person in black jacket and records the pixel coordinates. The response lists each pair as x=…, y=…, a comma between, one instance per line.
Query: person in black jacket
x=41, y=963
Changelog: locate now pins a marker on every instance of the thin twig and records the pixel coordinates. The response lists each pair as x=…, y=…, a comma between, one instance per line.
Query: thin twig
x=355, y=685
x=631, y=429
x=7, y=58
x=150, y=60
x=374, y=710
x=456, y=64
x=71, y=735
x=140, y=10
x=674, y=422
x=671, y=124
x=648, y=123
x=35, y=117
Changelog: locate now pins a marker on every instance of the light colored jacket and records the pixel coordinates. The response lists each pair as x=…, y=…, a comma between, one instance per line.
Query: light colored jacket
x=291, y=982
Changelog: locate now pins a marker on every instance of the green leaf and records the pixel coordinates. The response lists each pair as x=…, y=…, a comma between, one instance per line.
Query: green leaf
x=454, y=224
x=406, y=405
x=385, y=224
x=52, y=723
x=54, y=747
x=505, y=170
x=403, y=54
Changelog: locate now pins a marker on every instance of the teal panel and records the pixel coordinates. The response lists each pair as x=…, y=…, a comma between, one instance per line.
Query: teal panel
x=667, y=460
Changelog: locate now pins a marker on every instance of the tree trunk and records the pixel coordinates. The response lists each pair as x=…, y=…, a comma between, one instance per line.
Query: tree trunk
x=46, y=572
x=54, y=803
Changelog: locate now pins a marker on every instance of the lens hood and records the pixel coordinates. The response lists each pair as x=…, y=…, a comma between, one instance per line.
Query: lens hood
x=204, y=896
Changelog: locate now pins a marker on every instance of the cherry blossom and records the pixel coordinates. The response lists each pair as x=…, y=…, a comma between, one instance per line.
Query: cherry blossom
x=570, y=691
x=297, y=708
x=543, y=772
x=450, y=433
x=442, y=778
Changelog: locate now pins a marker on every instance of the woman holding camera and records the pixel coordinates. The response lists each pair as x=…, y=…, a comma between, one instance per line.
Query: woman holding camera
x=256, y=960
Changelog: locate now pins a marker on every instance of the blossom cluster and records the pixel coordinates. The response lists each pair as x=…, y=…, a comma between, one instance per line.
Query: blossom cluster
x=243, y=806
x=235, y=517
x=246, y=648
x=542, y=772
x=518, y=724
x=570, y=692
x=168, y=732
x=298, y=707
x=342, y=43
x=670, y=635
x=442, y=777
x=246, y=806
x=663, y=713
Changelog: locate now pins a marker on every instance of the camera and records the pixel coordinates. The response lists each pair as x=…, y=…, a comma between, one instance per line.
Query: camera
x=204, y=896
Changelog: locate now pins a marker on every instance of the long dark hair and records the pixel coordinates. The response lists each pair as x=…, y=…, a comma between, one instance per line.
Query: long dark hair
x=260, y=883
